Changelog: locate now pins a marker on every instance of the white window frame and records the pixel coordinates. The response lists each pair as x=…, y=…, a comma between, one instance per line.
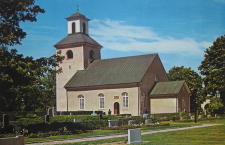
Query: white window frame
x=125, y=100
x=81, y=102
x=101, y=101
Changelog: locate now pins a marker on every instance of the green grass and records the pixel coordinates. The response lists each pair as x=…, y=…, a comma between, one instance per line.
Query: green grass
x=206, y=135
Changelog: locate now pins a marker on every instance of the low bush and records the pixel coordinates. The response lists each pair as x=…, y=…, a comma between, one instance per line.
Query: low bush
x=156, y=125
x=125, y=127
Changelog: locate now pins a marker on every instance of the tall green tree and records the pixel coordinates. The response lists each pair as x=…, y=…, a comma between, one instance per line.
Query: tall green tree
x=213, y=69
x=12, y=12
x=193, y=80
x=23, y=80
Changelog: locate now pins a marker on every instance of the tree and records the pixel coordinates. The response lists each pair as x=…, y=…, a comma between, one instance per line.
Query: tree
x=213, y=69
x=22, y=84
x=12, y=12
x=193, y=80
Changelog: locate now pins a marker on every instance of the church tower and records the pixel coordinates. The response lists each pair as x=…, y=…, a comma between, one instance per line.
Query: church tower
x=79, y=50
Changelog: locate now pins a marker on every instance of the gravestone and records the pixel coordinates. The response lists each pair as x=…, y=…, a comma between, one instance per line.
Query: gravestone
x=109, y=112
x=51, y=112
x=134, y=136
x=5, y=120
x=77, y=120
x=145, y=115
x=132, y=122
x=100, y=117
x=93, y=113
x=148, y=121
x=46, y=118
x=113, y=123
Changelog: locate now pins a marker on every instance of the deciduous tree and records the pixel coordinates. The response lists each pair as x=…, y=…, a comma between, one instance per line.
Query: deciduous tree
x=12, y=12
x=213, y=69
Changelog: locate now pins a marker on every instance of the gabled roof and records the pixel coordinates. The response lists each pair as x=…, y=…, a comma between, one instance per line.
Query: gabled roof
x=165, y=88
x=113, y=71
x=77, y=38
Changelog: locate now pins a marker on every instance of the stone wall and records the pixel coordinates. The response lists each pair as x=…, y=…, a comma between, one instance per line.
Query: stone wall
x=18, y=140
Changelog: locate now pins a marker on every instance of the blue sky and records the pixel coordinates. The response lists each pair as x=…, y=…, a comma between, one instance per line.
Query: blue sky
x=178, y=30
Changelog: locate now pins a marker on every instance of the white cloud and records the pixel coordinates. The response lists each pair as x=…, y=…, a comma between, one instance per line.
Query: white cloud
x=119, y=36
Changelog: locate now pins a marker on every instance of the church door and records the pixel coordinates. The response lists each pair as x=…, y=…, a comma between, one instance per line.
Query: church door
x=116, y=108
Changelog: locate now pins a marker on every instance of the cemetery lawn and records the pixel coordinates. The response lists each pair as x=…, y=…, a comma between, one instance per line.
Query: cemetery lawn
x=205, y=135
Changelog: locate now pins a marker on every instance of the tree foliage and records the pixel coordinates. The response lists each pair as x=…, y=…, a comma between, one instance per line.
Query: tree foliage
x=213, y=69
x=25, y=84
x=193, y=80
x=23, y=80
x=12, y=12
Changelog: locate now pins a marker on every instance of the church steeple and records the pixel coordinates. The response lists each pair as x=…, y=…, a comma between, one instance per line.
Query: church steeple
x=77, y=23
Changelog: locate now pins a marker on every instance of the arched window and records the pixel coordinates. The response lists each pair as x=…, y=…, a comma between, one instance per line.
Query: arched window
x=84, y=28
x=73, y=27
x=101, y=101
x=125, y=100
x=69, y=54
x=81, y=102
x=91, y=54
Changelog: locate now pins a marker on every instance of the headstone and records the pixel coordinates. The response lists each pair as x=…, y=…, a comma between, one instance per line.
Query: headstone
x=109, y=112
x=5, y=120
x=77, y=120
x=146, y=111
x=54, y=111
x=134, y=136
x=49, y=112
x=145, y=115
x=100, y=116
x=181, y=118
x=46, y=118
x=192, y=117
x=131, y=122
x=148, y=121
x=113, y=123
x=93, y=113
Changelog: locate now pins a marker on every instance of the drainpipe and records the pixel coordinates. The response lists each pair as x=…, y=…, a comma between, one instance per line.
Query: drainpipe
x=67, y=108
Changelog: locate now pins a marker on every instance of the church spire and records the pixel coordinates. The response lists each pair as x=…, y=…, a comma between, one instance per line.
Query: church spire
x=77, y=23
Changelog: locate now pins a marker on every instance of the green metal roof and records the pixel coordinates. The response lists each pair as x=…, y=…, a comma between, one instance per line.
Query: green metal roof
x=113, y=71
x=165, y=88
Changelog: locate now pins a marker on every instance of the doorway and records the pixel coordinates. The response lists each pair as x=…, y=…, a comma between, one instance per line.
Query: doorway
x=116, y=108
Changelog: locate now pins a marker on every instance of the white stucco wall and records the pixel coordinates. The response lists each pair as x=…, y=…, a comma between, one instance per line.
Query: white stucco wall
x=78, y=26
x=163, y=105
x=69, y=68
x=92, y=100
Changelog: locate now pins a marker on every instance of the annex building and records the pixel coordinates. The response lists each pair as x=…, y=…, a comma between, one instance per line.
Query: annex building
x=126, y=85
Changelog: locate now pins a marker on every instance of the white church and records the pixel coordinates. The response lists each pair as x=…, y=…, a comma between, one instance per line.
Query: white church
x=126, y=85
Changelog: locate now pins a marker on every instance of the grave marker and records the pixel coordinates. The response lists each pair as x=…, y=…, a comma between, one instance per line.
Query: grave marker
x=134, y=136
x=132, y=122
x=113, y=123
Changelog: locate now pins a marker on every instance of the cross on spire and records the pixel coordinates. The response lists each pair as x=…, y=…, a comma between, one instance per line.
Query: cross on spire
x=77, y=8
